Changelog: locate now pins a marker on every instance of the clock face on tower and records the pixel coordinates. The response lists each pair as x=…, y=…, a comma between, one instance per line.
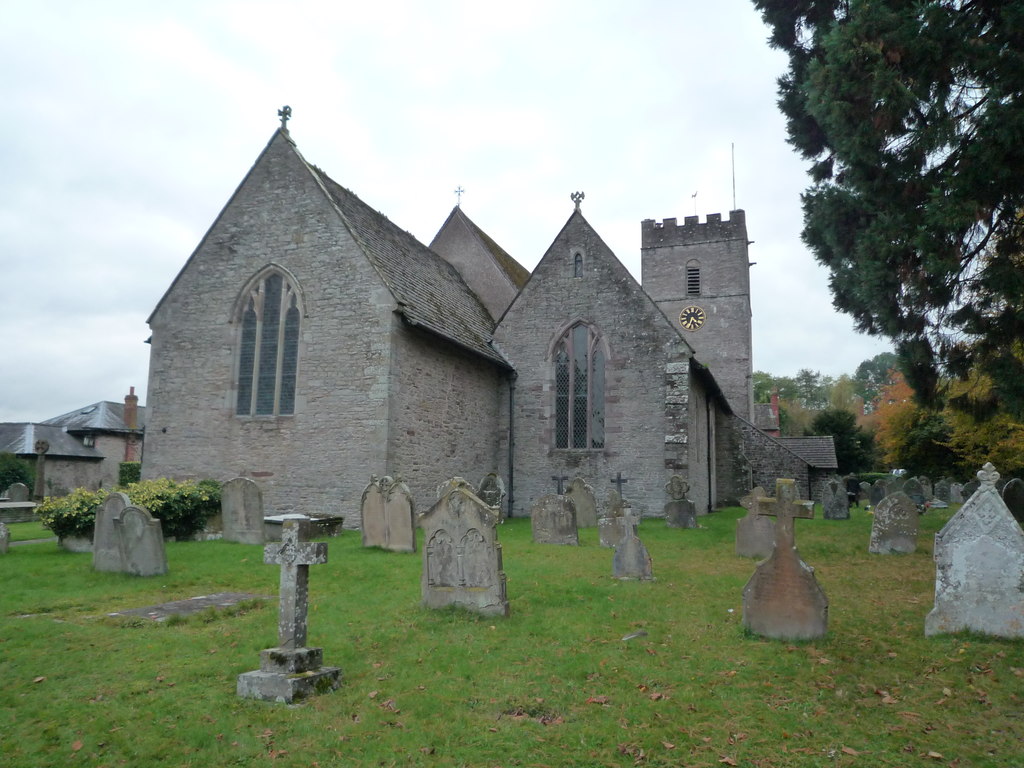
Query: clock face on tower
x=692, y=318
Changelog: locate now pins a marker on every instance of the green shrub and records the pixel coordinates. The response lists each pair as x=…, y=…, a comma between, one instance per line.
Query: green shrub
x=182, y=508
x=129, y=472
x=15, y=470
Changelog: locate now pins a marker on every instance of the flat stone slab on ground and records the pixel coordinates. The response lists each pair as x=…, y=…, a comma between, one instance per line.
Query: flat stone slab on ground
x=192, y=605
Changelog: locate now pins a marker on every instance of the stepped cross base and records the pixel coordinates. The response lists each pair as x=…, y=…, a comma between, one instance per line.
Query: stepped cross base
x=288, y=676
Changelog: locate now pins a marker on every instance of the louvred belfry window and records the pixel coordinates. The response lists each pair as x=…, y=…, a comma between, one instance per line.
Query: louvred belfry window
x=579, y=389
x=268, y=348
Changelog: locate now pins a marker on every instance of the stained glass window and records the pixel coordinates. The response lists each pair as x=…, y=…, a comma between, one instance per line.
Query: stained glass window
x=268, y=348
x=579, y=389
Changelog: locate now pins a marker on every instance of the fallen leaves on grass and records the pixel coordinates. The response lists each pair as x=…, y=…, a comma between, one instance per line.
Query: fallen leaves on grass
x=603, y=700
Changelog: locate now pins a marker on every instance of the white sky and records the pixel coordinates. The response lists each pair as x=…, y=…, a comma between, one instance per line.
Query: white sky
x=128, y=125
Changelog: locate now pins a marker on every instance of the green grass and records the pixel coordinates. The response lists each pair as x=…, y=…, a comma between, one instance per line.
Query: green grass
x=552, y=685
x=29, y=531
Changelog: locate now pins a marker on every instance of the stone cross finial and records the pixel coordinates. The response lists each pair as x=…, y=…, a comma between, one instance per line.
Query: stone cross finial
x=560, y=483
x=577, y=197
x=677, y=488
x=294, y=557
x=618, y=481
x=285, y=113
x=458, y=196
x=784, y=508
x=987, y=475
x=41, y=446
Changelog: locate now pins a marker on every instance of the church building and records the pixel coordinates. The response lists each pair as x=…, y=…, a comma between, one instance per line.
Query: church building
x=309, y=342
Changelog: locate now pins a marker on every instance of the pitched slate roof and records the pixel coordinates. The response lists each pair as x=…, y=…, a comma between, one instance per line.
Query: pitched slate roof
x=765, y=418
x=20, y=439
x=818, y=451
x=430, y=292
x=104, y=416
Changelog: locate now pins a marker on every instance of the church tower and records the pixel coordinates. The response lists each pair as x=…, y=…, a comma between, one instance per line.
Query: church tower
x=699, y=275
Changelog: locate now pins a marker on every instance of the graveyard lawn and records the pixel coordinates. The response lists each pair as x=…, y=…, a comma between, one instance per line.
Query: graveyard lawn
x=554, y=684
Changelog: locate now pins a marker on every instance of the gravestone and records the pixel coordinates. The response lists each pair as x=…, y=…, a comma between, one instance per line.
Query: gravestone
x=141, y=541
x=879, y=490
x=584, y=502
x=755, y=534
x=491, y=492
x=894, y=527
x=631, y=559
x=1013, y=497
x=461, y=555
x=615, y=504
x=969, y=489
x=942, y=489
x=5, y=538
x=291, y=671
x=388, y=515
x=926, y=488
x=915, y=491
x=835, y=503
x=956, y=493
x=679, y=510
x=39, y=491
x=553, y=519
x=979, y=559
x=783, y=600
x=106, y=549
x=609, y=529
x=864, y=495
x=241, y=506
x=17, y=492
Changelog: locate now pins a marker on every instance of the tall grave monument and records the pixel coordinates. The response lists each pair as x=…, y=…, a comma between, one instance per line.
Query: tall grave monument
x=783, y=600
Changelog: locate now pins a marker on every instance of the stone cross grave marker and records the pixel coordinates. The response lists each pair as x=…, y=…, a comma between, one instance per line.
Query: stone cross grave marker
x=559, y=483
x=39, y=491
x=1013, y=497
x=5, y=538
x=291, y=671
x=141, y=542
x=241, y=504
x=894, y=526
x=979, y=559
x=582, y=496
x=783, y=600
x=755, y=534
x=106, y=549
x=835, y=503
x=462, y=556
x=553, y=520
x=679, y=510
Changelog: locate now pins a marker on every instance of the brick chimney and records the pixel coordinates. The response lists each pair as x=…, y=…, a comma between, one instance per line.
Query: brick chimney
x=775, y=403
x=131, y=409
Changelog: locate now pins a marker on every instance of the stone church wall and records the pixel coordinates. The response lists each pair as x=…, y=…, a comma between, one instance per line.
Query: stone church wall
x=318, y=459
x=640, y=345
x=768, y=460
x=444, y=414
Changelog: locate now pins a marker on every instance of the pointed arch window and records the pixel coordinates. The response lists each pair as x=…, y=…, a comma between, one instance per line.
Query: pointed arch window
x=268, y=351
x=579, y=389
x=577, y=264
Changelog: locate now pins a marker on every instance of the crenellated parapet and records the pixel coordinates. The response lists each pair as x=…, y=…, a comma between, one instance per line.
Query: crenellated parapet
x=669, y=232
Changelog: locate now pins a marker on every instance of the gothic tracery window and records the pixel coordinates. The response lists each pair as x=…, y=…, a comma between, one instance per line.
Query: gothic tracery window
x=579, y=389
x=268, y=348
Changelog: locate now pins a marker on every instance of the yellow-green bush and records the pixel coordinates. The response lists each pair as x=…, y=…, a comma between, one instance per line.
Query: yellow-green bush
x=182, y=508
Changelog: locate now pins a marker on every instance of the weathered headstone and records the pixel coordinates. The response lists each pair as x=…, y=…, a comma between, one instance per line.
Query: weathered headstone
x=835, y=503
x=5, y=538
x=942, y=488
x=491, y=492
x=462, y=556
x=926, y=488
x=106, y=549
x=755, y=534
x=783, y=600
x=582, y=496
x=915, y=491
x=17, y=492
x=956, y=493
x=879, y=490
x=451, y=484
x=241, y=505
x=141, y=541
x=1013, y=497
x=864, y=495
x=969, y=489
x=979, y=559
x=291, y=671
x=615, y=504
x=631, y=559
x=388, y=515
x=679, y=510
x=553, y=519
x=894, y=527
